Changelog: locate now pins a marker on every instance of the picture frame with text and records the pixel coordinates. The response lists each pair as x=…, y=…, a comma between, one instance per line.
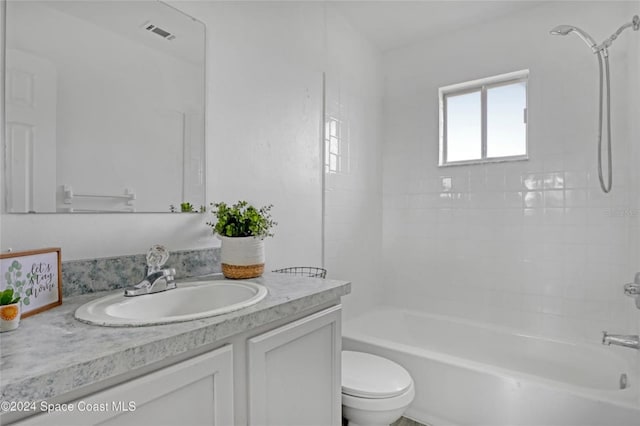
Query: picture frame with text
x=35, y=276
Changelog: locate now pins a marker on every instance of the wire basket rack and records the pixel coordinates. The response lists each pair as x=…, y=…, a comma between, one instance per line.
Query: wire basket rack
x=304, y=271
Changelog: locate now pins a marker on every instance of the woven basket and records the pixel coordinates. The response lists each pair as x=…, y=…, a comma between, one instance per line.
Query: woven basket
x=242, y=257
x=236, y=272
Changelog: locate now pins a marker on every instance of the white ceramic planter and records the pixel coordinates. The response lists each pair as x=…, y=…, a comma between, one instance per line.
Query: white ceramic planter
x=242, y=257
x=10, y=317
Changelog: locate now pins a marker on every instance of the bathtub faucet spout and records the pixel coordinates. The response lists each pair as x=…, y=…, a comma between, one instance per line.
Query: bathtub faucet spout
x=628, y=341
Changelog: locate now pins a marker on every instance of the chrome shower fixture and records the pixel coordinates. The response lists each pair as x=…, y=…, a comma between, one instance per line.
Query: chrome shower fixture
x=635, y=24
x=595, y=47
x=601, y=50
x=567, y=29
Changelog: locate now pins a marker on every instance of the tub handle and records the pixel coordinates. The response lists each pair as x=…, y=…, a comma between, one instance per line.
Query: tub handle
x=623, y=381
x=633, y=289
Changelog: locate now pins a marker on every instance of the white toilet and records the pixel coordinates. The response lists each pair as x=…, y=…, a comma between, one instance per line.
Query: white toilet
x=375, y=391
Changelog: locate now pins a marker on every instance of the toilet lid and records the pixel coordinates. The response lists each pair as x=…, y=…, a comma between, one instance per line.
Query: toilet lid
x=370, y=376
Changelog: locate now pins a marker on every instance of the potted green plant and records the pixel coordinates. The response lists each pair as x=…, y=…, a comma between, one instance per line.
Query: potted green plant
x=9, y=310
x=242, y=229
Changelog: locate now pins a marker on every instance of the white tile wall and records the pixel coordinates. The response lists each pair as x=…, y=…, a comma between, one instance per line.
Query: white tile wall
x=634, y=211
x=533, y=244
x=353, y=198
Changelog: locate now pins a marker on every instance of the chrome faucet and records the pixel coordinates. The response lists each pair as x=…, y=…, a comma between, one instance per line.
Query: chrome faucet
x=153, y=283
x=157, y=279
x=628, y=341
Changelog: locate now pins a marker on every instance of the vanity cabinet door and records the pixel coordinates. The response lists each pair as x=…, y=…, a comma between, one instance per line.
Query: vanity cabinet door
x=198, y=391
x=295, y=372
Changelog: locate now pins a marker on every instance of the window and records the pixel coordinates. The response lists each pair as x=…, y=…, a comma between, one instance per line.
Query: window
x=336, y=147
x=484, y=120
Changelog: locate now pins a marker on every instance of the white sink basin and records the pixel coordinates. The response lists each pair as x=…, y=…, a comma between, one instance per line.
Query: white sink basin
x=189, y=301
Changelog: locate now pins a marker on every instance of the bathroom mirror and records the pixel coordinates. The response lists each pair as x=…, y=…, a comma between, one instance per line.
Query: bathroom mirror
x=104, y=107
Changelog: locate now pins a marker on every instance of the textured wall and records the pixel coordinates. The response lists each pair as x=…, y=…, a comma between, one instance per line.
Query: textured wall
x=264, y=100
x=532, y=244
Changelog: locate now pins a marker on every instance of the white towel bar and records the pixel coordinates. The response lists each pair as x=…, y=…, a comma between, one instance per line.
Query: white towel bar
x=129, y=195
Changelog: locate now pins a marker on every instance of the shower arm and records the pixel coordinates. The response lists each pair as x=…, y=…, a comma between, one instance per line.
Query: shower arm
x=635, y=24
x=603, y=56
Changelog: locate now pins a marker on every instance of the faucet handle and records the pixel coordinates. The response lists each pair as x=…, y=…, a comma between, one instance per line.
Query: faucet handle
x=156, y=257
x=169, y=273
x=632, y=289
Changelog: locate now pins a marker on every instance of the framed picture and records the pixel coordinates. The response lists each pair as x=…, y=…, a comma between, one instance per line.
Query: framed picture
x=36, y=276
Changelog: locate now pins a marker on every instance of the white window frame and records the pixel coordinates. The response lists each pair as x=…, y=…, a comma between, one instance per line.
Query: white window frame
x=481, y=85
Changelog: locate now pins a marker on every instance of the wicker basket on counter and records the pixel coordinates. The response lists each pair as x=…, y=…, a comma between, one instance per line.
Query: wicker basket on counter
x=304, y=271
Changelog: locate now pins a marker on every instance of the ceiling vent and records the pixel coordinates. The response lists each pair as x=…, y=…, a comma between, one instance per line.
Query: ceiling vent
x=149, y=26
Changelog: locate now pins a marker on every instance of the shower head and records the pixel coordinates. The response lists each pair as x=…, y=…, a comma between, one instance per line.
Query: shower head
x=562, y=30
x=567, y=29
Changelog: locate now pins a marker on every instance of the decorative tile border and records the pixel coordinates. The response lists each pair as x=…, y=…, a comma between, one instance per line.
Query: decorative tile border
x=111, y=273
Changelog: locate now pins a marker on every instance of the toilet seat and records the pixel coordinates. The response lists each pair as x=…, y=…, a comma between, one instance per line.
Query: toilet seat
x=372, y=377
x=380, y=404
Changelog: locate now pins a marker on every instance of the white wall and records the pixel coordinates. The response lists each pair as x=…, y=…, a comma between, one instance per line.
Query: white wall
x=535, y=244
x=353, y=212
x=634, y=212
x=3, y=6
x=264, y=65
x=264, y=118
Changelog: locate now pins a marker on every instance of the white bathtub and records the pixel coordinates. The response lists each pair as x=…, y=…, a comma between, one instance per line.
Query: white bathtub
x=467, y=374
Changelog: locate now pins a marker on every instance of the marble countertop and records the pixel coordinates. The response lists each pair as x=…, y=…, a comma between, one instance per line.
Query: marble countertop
x=52, y=353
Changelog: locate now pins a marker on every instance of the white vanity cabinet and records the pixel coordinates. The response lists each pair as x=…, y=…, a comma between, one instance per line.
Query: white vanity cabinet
x=198, y=391
x=294, y=372
x=285, y=373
